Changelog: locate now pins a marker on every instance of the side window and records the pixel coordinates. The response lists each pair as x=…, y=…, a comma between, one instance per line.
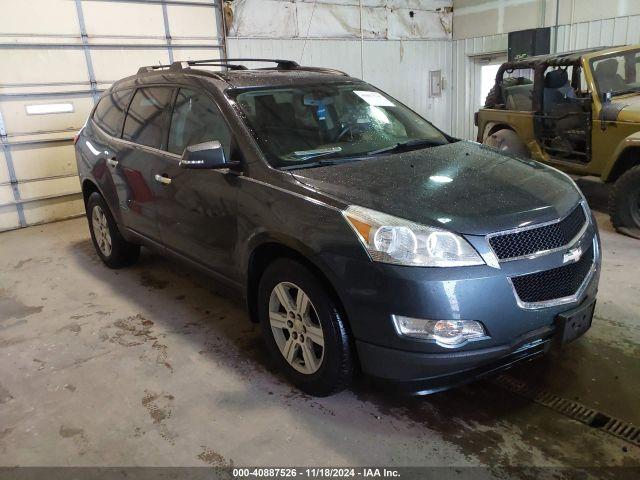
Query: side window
x=146, y=121
x=196, y=119
x=109, y=114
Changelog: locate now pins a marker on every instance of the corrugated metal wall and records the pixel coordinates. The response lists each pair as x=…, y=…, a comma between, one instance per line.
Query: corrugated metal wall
x=66, y=52
x=608, y=32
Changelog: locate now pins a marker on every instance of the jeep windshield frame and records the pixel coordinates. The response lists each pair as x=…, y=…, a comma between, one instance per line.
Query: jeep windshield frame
x=621, y=56
x=333, y=122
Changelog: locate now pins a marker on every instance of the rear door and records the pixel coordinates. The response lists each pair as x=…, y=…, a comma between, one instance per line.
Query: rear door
x=99, y=146
x=197, y=211
x=144, y=143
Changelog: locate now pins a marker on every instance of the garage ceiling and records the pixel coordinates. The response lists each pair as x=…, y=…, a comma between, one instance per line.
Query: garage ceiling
x=58, y=56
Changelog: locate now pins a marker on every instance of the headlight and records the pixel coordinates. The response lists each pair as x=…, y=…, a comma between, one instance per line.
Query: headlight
x=391, y=239
x=448, y=333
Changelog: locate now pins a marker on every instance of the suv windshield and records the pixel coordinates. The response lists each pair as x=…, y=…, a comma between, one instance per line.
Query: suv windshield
x=618, y=74
x=332, y=122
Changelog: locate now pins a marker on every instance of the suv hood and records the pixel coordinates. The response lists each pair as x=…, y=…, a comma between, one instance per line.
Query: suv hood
x=462, y=186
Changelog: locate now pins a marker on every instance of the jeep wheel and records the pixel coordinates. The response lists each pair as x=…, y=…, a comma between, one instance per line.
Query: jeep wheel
x=114, y=250
x=507, y=141
x=304, y=329
x=624, y=203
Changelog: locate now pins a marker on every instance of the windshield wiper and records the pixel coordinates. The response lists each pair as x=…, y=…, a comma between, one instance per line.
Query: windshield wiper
x=406, y=146
x=317, y=152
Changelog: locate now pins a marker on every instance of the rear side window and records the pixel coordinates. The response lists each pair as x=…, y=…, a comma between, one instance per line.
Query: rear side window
x=109, y=113
x=146, y=120
x=196, y=119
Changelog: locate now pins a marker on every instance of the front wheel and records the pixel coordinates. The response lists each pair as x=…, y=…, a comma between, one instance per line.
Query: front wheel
x=507, y=141
x=624, y=203
x=304, y=329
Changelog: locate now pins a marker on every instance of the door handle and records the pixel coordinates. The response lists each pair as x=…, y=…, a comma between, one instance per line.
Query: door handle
x=162, y=179
x=113, y=162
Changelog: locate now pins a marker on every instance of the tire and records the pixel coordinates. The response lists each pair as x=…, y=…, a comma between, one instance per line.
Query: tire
x=507, y=141
x=624, y=203
x=493, y=96
x=317, y=371
x=112, y=249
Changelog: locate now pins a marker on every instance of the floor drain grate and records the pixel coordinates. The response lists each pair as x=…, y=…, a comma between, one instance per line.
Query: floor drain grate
x=572, y=409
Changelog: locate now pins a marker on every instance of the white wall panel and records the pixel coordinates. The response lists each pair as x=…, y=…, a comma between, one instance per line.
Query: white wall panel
x=44, y=160
x=123, y=19
x=18, y=121
x=42, y=65
x=113, y=64
x=68, y=51
x=53, y=209
x=20, y=17
x=8, y=218
x=190, y=21
x=6, y=195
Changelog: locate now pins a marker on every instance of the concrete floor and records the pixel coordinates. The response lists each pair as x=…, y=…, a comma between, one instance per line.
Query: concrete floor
x=149, y=366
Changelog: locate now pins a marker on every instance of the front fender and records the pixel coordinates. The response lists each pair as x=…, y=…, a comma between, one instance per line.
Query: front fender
x=632, y=141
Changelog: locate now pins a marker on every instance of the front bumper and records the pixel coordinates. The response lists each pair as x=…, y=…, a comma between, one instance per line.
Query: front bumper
x=372, y=292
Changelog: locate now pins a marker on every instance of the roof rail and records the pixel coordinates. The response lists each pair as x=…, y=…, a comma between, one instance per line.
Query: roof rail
x=323, y=70
x=151, y=68
x=283, y=64
x=227, y=62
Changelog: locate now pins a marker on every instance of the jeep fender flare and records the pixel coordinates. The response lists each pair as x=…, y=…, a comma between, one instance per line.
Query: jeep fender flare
x=632, y=141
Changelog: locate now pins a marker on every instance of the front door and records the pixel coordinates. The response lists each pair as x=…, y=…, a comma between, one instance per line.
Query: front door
x=563, y=126
x=197, y=209
x=144, y=141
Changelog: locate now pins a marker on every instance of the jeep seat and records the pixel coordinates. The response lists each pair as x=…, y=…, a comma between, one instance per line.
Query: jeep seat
x=557, y=89
x=519, y=97
x=607, y=76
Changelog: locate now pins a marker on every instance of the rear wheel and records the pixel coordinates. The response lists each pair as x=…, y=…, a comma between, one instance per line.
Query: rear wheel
x=624, y=203
x=304, y=329
x=111, y=247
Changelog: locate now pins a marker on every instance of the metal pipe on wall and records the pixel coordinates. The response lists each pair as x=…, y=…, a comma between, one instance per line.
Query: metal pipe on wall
x=555, y=43
x=361, y=44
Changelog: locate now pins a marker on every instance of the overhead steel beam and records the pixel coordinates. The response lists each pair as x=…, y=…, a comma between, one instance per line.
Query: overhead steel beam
x=49, y=177
x=51, y=94
x=167, y=31
x=6, y=148
x=87, y=50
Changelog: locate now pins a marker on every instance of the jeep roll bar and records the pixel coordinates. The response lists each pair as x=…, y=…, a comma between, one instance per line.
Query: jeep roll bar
x=539, y=64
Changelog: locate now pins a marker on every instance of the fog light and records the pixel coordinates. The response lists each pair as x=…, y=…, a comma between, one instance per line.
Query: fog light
x=448, y=333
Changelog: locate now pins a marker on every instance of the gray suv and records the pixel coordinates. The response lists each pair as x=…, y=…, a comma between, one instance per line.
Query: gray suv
x=361, y=236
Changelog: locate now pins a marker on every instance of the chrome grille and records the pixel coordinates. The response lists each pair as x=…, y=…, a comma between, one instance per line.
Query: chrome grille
x=535, y=239
x=556, y=283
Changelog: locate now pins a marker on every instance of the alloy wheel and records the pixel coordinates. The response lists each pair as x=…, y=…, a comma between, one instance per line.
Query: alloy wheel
x=101, y=230
x=296, y=327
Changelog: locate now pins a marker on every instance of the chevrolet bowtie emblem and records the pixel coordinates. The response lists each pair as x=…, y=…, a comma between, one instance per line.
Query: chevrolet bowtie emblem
x=572, y=255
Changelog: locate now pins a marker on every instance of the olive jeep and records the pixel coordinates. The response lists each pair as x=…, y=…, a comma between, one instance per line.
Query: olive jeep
x=576, y=111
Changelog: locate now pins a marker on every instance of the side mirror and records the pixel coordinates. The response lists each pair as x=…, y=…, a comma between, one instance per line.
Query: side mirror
x=605, y=97
x=205, y=156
